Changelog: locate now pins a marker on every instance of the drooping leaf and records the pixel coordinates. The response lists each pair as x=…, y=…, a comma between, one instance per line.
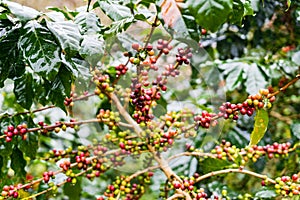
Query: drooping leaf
x=40, y=50
x=23, y=13
x=210, y=14
x=260, y=126
x=92, y=49
x=113, y=10
x=255, y=80
x=88, y=23
x=68, y=35
x=24, y=91
x=18, y=162
x=61, y=86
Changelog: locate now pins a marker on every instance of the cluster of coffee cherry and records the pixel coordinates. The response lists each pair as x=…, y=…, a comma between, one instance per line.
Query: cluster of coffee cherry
x=121, y=70
x=12, y=131
x=109, y=118
x=125, y=188
x=102, y=82
x=11, y=191
x=271, y=150
x=228, y=151
x=228, y=110
x=288, y=186
x=183, y=56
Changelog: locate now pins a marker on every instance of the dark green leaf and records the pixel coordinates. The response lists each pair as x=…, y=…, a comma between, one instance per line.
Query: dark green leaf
x=18, y=162
x=23, y=13
x=24, y=91
x=237, y=14
x=88, y=22
x=9, y=50
x=67, y=34
x=92, y=49
x=114, y=10
x=40, y=50
x=255, y=79
x=140, y=17
x=30, y=146
x=61, y=87
x=260, y=126
x=210, y=14
x=73, y=191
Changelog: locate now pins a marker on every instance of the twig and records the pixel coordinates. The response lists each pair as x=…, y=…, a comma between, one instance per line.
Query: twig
x=242, y=171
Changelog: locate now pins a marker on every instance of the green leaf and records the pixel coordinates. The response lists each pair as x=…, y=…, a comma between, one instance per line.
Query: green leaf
x=9, y=50
x=68, y=35
x=89, y=23
x=24, y=91
x=40, y=50
x=18, y=162
x=23, y=13
x=69, y=15
x=236, y=17
x=260, y=126
x=92, y=49
x=234, y=72
x=119, y=26
x=255, y=80
x=213, y=164
x=210, y=14
x=61, y=86
x=113, y=10
x=30, y=146
x=73, y=191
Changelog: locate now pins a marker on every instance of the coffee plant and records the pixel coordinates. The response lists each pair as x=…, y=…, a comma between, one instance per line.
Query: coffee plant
x=150, y=99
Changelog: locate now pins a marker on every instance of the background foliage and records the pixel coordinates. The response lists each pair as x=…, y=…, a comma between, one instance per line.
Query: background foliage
x=244, y=46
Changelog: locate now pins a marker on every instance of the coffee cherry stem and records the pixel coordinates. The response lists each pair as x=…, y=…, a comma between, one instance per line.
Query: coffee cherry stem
x=293, y=81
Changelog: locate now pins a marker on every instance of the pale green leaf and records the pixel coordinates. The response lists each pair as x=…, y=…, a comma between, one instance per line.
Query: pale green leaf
x=260, y=126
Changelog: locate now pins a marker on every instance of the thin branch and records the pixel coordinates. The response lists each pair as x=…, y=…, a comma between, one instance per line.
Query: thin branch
x=242, y=171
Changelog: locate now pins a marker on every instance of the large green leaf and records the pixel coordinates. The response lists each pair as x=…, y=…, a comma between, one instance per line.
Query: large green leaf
x=40, y=50
x=24, y=91
x=9, y=50
x=18, y=162
x=88, y=22
x=68, y=35
x=23, y=13
x=234, y=72
x=260, y=126
x=113, y=10
x=210, y=14
x=92, y=49
x=255, y=80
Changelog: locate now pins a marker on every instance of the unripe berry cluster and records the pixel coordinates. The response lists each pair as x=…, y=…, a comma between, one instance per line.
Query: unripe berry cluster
x=12, y=131
x=102, y=82
x=164, y=140
x=125, y=188
x=109, y=118
x=288, y=186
